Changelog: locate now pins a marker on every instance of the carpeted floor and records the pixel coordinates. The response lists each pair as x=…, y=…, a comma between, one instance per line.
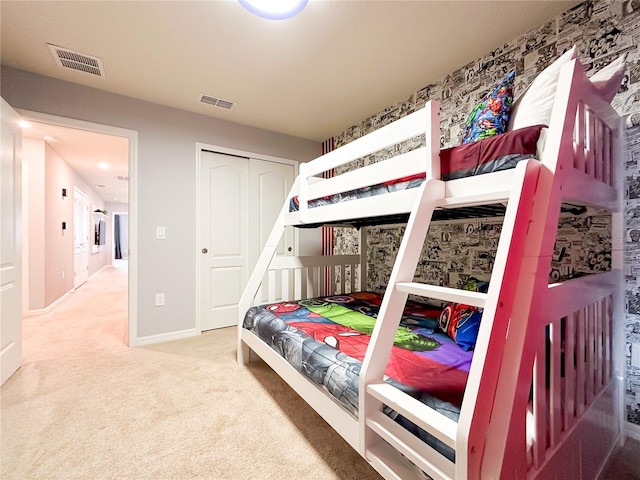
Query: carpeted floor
x=85, y=406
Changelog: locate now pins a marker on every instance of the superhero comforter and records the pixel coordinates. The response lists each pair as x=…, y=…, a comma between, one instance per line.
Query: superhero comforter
x=326, y=339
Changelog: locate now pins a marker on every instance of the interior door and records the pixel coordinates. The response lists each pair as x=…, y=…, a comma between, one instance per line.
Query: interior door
x=240, y=201
x=81, y=224
x=269, y=185
x=10, y=244
x=224, y=238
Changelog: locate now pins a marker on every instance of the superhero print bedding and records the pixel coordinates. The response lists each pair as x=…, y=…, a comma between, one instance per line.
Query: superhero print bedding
x=326, y=339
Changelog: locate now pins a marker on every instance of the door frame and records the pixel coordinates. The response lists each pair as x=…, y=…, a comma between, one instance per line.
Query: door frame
x=200, y=147
x=132, y=136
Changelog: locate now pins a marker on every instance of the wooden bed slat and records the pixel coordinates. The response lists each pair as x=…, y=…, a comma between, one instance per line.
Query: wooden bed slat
x=591, y=374
x=581, y=377
x=555, y=386
x=539, y=406
x=570, y=373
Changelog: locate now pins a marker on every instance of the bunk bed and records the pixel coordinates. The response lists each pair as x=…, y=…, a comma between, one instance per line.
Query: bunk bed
x=541, y=390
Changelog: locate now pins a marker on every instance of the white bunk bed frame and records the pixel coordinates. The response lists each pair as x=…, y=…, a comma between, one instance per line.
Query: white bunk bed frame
x=513, y=422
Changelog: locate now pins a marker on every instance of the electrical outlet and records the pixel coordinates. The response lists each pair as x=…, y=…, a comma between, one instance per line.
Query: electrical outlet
x=159, y=299
x=161, y=233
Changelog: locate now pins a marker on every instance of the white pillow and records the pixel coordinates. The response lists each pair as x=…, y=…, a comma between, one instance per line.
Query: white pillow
x=534, y=106
x=609, y=78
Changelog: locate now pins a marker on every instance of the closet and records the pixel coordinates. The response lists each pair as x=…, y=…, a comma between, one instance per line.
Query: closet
x=240, y=199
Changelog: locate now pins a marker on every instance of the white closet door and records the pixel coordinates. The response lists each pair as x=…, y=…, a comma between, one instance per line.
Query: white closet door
x=224, y=239
x=240, y=201
x=269, y=185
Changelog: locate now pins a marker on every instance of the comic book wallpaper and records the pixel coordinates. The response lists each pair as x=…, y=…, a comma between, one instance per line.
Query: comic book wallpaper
x=602, y=30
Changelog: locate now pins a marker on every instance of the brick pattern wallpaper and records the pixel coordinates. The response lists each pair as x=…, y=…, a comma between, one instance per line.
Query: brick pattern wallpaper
x=602, y=30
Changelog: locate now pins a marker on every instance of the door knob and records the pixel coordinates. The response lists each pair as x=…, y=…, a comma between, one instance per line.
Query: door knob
x=204, y=250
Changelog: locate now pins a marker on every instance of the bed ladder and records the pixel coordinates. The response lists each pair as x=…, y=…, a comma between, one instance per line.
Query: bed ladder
x=381, y=437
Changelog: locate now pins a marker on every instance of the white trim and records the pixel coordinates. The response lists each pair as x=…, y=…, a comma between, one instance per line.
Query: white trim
x=200, y=147
x=632, y=430
x=51, y=306
x=165, y=337
x=59, y=300
x=132, y=135
x=242, y=153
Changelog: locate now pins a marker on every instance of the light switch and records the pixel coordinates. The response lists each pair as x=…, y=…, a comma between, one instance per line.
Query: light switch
x=160, y=232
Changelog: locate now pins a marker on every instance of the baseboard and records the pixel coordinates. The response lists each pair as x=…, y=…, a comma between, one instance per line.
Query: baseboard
x=100, y=269
x=632, y=430
x=163, y=337
x=61, y=299
x=50, y=307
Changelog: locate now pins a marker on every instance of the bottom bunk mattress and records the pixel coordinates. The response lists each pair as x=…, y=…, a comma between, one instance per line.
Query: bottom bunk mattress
x=326, y=339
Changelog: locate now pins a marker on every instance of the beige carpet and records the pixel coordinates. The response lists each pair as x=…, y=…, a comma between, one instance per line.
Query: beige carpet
x=85, y=406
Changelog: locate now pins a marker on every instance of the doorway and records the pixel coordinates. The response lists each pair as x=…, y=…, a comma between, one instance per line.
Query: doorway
x=120, y=251
x=128, y=200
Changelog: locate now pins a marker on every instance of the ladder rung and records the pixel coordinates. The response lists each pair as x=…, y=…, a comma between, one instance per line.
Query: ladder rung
x=486, y=198
x=476, y=299
x=428, y=459
x=422, y=415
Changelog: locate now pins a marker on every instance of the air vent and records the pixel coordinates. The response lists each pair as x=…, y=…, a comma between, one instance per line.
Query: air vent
x=122, y=178
x=216, y=102
x=77, y=61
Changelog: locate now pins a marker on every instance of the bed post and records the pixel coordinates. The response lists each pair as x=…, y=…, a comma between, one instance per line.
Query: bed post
x=364, y=273
x=432, y=139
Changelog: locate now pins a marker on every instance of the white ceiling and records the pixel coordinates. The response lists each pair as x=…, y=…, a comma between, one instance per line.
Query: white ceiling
x=88, y=153
x=312, y=76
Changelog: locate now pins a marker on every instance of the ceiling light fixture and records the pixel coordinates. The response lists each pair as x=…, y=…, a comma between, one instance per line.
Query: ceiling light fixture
x=274, y=9
x=104, y=166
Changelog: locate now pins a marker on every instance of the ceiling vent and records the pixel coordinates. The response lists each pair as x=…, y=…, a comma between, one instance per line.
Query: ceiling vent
x=216, y=102
x=77, y=61
x=122, y=178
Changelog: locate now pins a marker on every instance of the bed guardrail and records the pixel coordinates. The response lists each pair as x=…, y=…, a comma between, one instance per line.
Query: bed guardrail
x=312, y=186
x=290, y=278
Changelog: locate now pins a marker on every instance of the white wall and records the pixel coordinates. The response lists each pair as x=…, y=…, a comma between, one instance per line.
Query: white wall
x=33, y=157
x=166, y=177
x=58, y=243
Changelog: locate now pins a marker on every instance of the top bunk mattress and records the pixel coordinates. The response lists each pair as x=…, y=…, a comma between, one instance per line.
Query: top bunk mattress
x=493, y=154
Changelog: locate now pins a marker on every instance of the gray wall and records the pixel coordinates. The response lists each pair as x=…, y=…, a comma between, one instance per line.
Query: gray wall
x=166, y=180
